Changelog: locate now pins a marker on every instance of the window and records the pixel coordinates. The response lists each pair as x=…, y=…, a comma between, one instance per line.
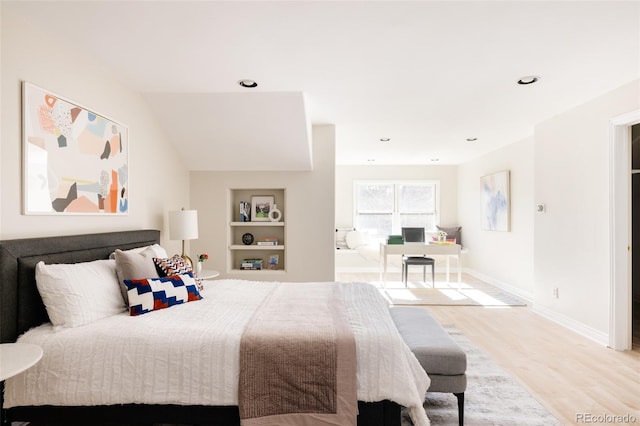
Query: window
x=383, y=208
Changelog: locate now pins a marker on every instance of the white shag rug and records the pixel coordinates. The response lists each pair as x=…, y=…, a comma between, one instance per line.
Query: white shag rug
x=492, y=397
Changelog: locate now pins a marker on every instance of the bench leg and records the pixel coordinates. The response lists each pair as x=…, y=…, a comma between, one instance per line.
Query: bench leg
x=460, y=397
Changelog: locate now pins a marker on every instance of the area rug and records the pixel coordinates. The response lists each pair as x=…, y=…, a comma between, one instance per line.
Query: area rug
x=493, y=397
x=464, y=294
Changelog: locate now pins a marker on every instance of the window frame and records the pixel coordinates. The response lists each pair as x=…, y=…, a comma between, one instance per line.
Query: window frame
x=396, y=215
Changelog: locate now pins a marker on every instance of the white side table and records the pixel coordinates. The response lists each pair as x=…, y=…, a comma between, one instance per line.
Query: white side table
x=207, y=274
x=17, y=357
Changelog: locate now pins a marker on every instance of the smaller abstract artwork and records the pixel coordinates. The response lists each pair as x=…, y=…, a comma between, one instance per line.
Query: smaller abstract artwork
x=495, y=203
x=75, y=160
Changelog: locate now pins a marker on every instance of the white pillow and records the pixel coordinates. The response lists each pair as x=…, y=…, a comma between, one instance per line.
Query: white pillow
x=79, y=293
x=157, y=249
x=355, y=239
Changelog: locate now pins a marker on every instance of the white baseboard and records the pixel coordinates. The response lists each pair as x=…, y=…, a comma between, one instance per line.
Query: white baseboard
x=362, y=269
x=571, y=324
x=523, y=294
x=390, y=270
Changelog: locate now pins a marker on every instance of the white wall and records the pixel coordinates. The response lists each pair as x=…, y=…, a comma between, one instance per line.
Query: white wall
x=572, y=239
x=347, y=175
x=158, y=182
x=503, y=258
x=308, y=213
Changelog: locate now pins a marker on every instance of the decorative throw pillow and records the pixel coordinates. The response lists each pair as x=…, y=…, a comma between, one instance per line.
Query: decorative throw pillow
x=341, y=237
x=79, y=293
x=355, y=239
x=452, y=233
x=134, y=265
x=152, y=294
x=172, y=266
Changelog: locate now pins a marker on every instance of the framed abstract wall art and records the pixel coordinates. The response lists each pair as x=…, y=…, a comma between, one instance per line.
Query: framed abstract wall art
x=75, y=160
x=495, y=201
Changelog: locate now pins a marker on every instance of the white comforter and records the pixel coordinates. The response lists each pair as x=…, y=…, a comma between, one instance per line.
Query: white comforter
x=189, y=354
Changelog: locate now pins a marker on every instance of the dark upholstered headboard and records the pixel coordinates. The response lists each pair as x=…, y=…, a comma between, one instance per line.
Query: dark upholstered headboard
x=21, y=307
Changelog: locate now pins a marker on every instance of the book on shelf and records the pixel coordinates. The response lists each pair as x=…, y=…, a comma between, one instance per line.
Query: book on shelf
x=267, y=241
x=247, y=264
x=245, y=211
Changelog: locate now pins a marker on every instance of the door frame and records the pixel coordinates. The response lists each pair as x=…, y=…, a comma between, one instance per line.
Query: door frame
x=620, y=230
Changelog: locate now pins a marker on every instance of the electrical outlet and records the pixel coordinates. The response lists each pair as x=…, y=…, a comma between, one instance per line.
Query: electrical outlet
x=556, y=293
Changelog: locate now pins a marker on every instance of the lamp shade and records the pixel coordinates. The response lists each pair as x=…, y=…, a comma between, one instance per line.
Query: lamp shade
x=183, y=225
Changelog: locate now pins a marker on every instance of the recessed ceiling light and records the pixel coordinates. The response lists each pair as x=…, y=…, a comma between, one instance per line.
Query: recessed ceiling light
x=385, y=139
x=247, y=83
x=472, y=139
x=435, y=160
x=371, y=160
x=529, y=79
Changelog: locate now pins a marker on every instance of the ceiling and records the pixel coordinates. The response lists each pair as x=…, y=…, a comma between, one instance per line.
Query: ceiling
x=425, y=74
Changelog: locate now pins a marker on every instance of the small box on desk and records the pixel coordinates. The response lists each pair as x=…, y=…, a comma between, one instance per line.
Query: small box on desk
x=395, y=239
x=247, y=264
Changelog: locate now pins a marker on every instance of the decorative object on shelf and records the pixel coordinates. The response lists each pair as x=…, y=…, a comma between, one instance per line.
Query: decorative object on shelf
x=495, y=204
x=442, y=236
x=247, y=239
x=273, y=261
x=245, y=211
x=261, y=205
x=75, y=160
x=275, y=215
x=183, y=225
x=201, y=258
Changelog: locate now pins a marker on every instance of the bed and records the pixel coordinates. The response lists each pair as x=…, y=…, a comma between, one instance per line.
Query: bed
x=22, y=309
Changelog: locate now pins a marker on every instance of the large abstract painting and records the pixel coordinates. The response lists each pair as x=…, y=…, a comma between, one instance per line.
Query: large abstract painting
x=495, y=207
x=75, y=160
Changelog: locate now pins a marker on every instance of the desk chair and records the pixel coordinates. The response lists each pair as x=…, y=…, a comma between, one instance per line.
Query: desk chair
x=416, y=235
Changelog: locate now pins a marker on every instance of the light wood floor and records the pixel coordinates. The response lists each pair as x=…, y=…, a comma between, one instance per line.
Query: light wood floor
x=568, y=373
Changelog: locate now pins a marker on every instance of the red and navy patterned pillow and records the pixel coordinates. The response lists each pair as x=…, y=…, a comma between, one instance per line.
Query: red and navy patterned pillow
x=172, y=266
x=152, y=294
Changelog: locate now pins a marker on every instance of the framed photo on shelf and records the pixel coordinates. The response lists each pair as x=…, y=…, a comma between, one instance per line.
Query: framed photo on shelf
x=273, y=261
x=261, y=206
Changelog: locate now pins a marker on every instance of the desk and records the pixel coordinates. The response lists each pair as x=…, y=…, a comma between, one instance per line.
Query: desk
x=417, y=249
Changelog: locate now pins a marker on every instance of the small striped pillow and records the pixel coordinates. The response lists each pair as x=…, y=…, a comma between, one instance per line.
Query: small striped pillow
x=172, y=266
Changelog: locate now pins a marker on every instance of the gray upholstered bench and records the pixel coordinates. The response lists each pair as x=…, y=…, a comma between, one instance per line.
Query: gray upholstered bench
x=439, y=355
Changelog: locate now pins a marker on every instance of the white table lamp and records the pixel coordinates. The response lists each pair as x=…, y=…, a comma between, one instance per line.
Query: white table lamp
x=183, y=225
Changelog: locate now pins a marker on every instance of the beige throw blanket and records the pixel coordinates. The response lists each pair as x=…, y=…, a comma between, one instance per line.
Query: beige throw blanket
x=298, y=359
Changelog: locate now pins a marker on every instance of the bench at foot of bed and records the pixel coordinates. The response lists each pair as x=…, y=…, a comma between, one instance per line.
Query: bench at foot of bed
x=439, y=355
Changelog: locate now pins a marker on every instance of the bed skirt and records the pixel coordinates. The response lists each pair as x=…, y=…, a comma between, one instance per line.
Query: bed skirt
x=383, y=413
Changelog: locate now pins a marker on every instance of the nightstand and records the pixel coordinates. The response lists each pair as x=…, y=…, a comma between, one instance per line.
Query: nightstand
x=207, y=274
x=17, y=357
x=14, y=359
